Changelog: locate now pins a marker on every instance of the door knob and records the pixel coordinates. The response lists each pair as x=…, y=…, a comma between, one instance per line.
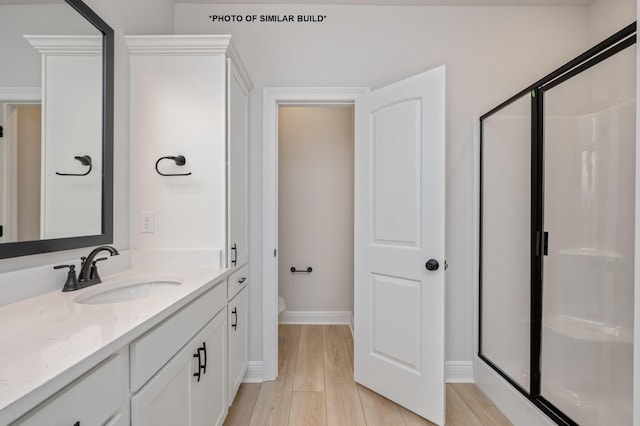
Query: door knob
x=432, y=265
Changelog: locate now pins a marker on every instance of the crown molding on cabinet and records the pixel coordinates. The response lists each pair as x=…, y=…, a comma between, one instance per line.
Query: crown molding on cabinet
x=66, y=44
x=187, y=44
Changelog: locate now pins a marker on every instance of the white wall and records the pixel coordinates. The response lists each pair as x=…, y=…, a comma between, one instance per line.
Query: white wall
x=606, y=17
x=21, y=62
x=315, y=196
x=32, y=272
x=490, y=53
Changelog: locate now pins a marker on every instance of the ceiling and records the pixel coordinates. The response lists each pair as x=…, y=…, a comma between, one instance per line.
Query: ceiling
x=404, y=2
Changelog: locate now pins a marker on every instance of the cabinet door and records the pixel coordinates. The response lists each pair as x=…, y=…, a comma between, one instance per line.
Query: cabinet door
x=209, y=395
x=238, y=340
x=165, y=399
x=238, y=170
x=191, y=388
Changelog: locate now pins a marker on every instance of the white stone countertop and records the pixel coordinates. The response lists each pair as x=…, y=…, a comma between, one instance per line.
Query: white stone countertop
x=48, y=341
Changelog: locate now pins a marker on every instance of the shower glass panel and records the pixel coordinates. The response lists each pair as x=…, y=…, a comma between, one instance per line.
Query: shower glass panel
x=506, y=224
x=589, y=193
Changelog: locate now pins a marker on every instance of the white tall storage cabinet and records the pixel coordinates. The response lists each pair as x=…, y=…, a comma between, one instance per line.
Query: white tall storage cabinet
x=71, y=126
x=189, y=96
x=238, y=167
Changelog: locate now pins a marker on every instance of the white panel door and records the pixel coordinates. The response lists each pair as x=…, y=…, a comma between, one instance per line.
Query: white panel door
x=399, y=227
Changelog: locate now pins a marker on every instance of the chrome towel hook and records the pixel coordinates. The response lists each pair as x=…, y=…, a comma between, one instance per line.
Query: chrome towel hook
x=178, y=159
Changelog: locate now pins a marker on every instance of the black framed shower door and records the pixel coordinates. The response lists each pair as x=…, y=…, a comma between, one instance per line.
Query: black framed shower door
x=542, y=155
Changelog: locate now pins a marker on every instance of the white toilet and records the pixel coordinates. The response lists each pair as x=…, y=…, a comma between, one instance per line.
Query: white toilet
x=281, y=305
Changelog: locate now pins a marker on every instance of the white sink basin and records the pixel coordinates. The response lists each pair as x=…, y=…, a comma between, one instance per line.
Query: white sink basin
x=126, y=290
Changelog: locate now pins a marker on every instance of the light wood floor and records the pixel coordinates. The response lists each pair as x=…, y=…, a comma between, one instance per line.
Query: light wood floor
x=315, y=387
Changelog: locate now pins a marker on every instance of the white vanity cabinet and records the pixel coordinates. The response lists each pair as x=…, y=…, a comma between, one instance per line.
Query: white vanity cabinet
x=189, y=97
x=178, y=369
x=175, y=358
x=190, y=388
x=238, y=328
x=96, y=398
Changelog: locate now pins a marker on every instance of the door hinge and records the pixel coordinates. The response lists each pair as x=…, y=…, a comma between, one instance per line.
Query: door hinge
x=446, y=265
x=1, y=231
x=274, y=252
x=1, y=132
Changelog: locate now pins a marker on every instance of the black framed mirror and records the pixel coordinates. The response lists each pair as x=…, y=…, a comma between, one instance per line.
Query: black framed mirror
x=56, y=191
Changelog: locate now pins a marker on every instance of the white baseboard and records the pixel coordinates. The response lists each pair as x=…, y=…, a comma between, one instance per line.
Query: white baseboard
x=458, y=372
x=316, y=317
x=254, y=372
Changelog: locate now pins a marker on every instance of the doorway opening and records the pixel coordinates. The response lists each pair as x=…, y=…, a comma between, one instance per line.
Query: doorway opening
x=20, y=170
x=399, y=223
x=315, y=213
x=273, y=99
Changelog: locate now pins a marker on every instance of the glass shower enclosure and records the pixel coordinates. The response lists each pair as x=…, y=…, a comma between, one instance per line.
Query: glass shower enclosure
x=557, y=210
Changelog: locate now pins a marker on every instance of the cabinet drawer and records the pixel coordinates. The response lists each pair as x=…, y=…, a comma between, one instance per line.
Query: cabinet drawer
x=150, y=352
x=90, y=400
x=237, y=281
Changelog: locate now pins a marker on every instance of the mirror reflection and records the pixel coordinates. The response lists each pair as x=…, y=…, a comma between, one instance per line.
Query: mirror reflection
x=51, y=101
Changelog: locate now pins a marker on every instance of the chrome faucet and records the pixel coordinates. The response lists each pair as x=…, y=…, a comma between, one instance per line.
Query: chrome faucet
x=88, y=270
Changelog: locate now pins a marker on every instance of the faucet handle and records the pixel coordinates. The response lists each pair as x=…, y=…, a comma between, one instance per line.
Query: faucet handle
x=71, y=267
x=93, y=274
x=72, y=280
